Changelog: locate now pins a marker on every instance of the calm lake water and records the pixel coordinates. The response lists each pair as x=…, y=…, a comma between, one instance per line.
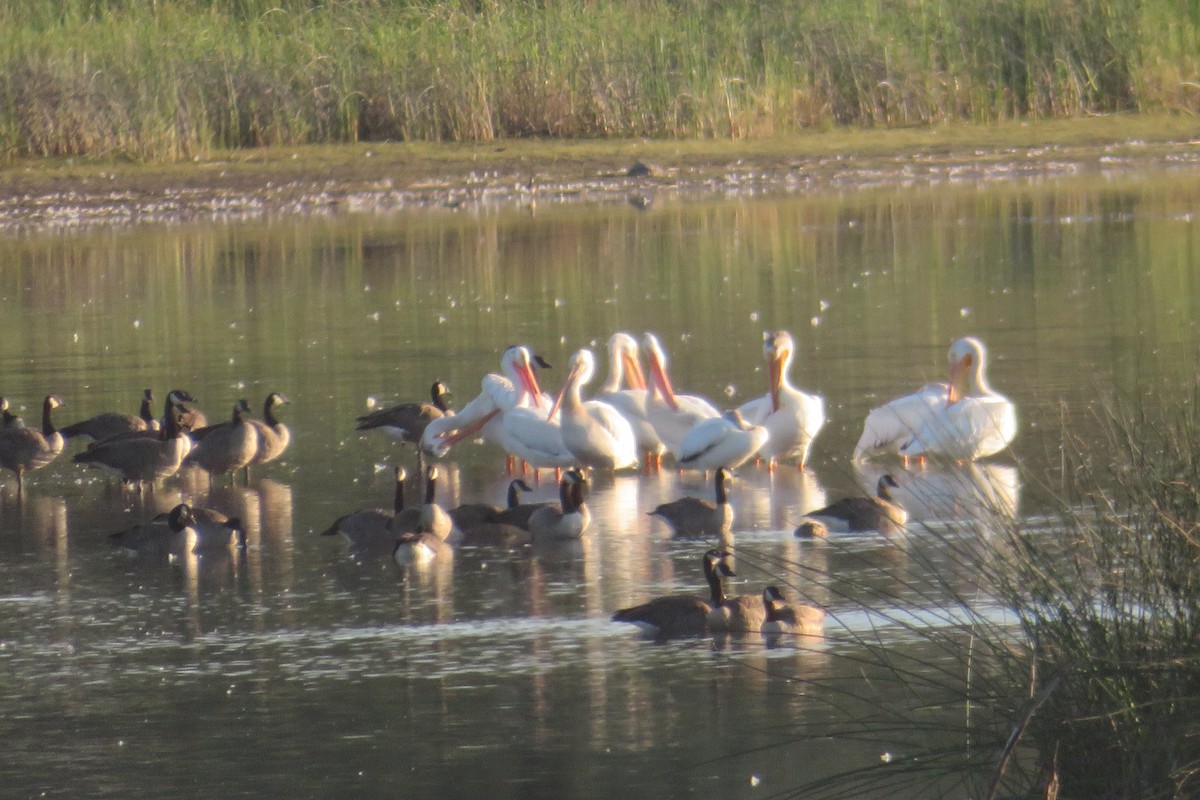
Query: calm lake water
x=296, y=672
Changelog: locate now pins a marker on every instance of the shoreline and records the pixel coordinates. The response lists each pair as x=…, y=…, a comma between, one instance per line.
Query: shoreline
x=45, y=195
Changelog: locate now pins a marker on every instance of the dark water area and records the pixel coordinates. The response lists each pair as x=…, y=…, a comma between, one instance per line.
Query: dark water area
x=292, y=670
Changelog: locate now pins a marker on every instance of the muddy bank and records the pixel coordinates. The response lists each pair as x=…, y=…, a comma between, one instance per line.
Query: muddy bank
x=389, y=178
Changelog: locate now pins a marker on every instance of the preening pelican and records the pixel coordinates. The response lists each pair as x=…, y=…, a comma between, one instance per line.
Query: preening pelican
x=595, y=432
x=671, y=414
x=969, y=421
x=792, y=417
x=624, y=367
x=724, y=441
x=511, y=411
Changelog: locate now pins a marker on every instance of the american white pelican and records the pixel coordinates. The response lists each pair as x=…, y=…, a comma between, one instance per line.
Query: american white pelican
x=784, y=618
x=724, y=441
x=624, y=367
x=852, y=514
x=672, y=415
x=969, y=421
x=510, y=411
x=691, y=516
x=595, y=432
x=792, y=417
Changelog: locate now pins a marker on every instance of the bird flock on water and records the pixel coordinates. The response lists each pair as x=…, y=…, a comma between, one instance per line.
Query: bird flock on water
x=636, y=419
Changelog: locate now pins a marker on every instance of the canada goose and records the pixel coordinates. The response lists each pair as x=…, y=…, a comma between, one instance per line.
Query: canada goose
x=170, y=534
x=518, y=513
x=431, y=517
x=172, y=407
x=680, y=615
x=111, y=423
x=486, y=524
x=273, y=436
x=25, y=449
x=851, y=514
x=571, y=519
x=227, y=446
x=8, y=419
x=369, y=531
x=691, y=516
x=138, y=458
x=420, y=547
x=739, y=614
x=783, y=617
x=406, y=422
x=159, y=538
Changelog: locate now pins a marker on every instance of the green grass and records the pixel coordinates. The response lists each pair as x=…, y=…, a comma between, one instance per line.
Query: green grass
x=169, y=79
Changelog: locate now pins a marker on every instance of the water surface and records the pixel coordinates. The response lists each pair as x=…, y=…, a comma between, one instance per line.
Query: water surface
x=295, y=671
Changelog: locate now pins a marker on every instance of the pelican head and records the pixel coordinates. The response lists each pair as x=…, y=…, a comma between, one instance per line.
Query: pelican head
x=658, y=370
x=777, y=348
x=517, y=365
x=968, y=362
x=580, y=371
x=623, y=358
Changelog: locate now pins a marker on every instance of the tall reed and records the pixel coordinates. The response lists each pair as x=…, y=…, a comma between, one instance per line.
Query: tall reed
x=166, y=79
x=1087, y=685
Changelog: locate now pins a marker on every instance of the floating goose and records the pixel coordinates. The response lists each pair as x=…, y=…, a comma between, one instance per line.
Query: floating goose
x=112, y=423
x=784, y=618
x=369, y=531
x=852, y=514
x=571, y=519
x=680, y=615
x=691, y=516
x=227, y=446
x=26, y=449
x=161, y=537
x=433, y=533
x=792, y=417
x=595, y=432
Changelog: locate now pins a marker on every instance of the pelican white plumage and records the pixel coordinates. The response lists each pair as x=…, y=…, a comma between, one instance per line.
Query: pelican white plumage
x=724, y=441
x=593, y=431
x=792, y=417
x=672, y=415
x=631, y=402
x=516, y=419
x=968, y=421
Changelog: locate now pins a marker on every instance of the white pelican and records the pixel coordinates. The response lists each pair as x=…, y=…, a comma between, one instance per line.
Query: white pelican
x=672, y=415
x=515, y=417
x=724, y=441
x=631, y=402
x=969, y=421
x=792, y=417
x=595, y=432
